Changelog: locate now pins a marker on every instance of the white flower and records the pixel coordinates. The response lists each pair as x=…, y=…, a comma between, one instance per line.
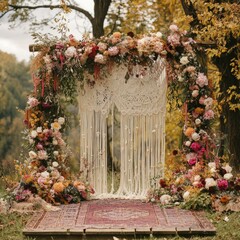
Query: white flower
x=198, y=121
x=56, y=125
x=186, y=195
x=227, y=168
x=173, y=28
x=180, y=79
x=227, y=176
x=184, y=60
x=159, y=34
x=55, y=164
x=55, y=153
x=39, y=129
x=45, y=174
x=195, y=93
x=54, y=141
x=165, y=199
x=31, y=141
x=70, y=52
x=99, y=58
x=188, y=143
x=34, y=134
x=195, y=136
x=213, y=170
x=61, y=120
x=197, y=178
x=210, y=182
x=208, y=102
x=32, y=154
x=195, y=183
x=212, y=165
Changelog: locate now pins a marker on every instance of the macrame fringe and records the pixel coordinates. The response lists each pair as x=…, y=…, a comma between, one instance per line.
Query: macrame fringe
x=142, y=142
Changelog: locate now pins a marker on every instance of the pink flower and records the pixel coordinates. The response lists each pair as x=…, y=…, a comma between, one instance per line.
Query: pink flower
x=173, y=28
x=209, y=114
x=192, y=161
x=190, y=69
x=42, y=155
x=39, y=146
x=32, y=102
x=202, y=80
x=222, y=184
x=113, y=51
x=195, y=146
x=174, y=39
x=201, y=100
x=195, y=93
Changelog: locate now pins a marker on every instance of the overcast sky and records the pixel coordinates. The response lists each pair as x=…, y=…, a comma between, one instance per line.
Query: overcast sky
x=17, y=40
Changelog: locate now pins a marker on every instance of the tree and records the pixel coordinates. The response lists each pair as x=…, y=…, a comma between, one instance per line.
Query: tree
x=19, y=10
x=217, y=22
x=15, y=84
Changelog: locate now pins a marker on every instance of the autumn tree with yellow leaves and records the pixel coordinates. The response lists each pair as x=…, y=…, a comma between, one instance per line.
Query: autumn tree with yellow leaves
x=216, y=24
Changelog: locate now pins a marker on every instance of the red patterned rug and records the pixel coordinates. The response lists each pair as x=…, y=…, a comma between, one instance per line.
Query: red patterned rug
x=117, y=216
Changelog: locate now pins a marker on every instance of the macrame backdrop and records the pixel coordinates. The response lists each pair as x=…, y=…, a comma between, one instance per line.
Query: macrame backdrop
x=141, y=100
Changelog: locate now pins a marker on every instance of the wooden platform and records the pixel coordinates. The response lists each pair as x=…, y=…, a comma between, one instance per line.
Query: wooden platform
x=97, y=219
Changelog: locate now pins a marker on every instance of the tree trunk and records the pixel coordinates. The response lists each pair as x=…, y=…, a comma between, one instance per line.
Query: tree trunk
x=229, y=121
x=100, y=11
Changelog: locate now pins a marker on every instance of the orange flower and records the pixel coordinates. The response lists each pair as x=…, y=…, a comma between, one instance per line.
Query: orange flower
x=58, y=187
x=198, y=110
x=225, y=199
x=189, y=131
x=27, y=179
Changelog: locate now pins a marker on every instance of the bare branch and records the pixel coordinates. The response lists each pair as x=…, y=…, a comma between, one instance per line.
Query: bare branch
x=2, y=15
x=78, y=9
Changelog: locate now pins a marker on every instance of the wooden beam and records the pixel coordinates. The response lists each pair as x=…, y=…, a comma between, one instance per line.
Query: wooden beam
x=35, y=47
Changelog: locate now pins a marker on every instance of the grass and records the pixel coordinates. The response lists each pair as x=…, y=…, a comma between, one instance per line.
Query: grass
x=11, y=226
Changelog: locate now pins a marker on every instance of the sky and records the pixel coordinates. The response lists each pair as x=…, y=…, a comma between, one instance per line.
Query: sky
x=17, y=40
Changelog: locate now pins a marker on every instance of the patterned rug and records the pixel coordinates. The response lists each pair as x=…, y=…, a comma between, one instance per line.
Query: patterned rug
x=110, y=216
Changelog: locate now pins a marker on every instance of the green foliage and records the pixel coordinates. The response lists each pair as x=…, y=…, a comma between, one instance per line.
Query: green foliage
x=200, y=201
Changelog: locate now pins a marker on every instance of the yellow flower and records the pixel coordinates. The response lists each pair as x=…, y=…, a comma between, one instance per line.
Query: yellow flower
x=56, y=126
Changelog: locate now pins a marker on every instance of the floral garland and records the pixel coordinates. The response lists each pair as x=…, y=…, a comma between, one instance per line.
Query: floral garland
x=198, y=177
x=56, y=71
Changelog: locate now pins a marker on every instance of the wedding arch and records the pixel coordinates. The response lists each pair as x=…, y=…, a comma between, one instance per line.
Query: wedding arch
x=132, y=74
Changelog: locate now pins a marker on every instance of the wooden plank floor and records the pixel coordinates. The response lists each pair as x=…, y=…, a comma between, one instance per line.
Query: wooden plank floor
x=100, y=219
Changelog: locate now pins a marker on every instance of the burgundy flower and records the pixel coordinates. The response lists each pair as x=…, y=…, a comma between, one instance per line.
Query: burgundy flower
x=162, y=183
x=94, y=52
x=46, y=105
x=130, y=34
x=222, y=184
